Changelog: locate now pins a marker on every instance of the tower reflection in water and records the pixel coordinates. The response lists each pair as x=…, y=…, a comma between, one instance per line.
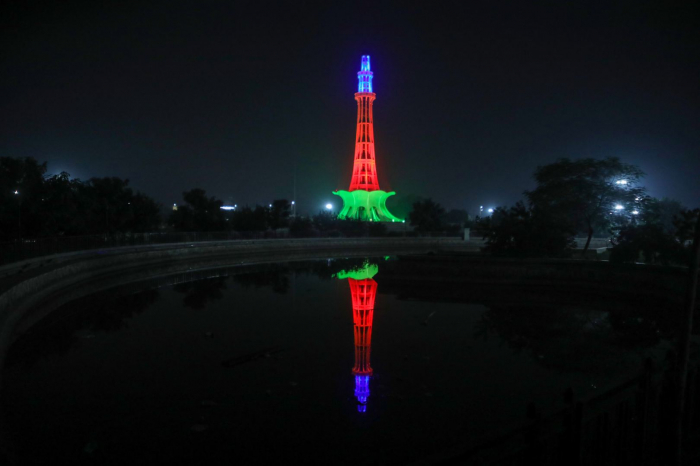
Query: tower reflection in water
x=363, y=290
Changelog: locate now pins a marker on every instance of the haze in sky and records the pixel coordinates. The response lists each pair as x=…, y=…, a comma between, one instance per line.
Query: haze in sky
x=239, y=97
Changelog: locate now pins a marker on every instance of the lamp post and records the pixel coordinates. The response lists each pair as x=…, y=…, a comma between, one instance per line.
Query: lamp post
x=19, y=215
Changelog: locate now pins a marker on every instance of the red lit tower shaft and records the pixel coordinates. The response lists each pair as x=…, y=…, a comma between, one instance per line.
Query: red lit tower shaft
x=364, y=171
x=363, y=295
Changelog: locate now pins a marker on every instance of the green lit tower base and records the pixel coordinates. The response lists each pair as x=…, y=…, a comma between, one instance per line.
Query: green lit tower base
x=365, y=201
x=366, y=205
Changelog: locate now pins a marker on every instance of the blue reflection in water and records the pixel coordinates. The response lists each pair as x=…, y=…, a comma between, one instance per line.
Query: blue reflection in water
x=362, y=392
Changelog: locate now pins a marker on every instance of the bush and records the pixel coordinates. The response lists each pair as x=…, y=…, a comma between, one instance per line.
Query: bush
x=523, y=232
x=377, y=229
x=300, y=227
x=654, y=243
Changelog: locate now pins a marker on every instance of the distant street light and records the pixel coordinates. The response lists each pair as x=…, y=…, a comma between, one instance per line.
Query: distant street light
x=329, y=206
x=635, y=212
x=490, y=211
x=621, y=182
x=619, y=207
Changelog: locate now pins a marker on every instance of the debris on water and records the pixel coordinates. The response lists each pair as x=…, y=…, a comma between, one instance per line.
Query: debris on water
x=199, y=427
x=425, y=322
x=90, y=447
x=208, y=403
x=250, y=357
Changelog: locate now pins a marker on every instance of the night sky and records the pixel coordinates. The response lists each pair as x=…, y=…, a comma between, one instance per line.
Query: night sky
x=232, y=96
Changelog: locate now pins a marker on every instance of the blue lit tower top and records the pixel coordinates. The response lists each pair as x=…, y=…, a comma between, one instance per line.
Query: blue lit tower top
x=364, y=76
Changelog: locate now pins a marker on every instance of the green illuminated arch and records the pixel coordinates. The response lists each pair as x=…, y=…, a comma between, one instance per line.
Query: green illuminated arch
x=366, y=205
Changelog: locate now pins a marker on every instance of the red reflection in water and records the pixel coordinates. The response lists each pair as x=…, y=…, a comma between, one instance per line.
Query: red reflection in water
x=363, y=294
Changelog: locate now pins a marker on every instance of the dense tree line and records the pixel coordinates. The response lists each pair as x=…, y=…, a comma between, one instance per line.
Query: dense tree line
x=202, y=213
x=35, y=205
x=572, y=198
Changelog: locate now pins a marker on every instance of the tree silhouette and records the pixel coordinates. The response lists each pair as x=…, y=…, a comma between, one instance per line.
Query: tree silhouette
x=588, y=194
x=426, y=216
x=200, y=213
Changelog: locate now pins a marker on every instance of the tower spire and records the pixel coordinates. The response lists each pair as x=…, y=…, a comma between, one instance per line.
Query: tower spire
x=364, y=76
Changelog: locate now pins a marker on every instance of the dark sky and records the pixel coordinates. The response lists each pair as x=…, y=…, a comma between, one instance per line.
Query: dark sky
x=231, y=96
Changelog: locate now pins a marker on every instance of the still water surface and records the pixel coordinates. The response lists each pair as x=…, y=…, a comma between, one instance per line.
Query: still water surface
x=298, y=362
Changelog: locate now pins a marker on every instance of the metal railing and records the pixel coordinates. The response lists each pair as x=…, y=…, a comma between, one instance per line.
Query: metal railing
x=627, y=424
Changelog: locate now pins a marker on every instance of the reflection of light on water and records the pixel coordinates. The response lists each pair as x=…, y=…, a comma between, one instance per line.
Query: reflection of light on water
x=362, y=392
x=363, y=290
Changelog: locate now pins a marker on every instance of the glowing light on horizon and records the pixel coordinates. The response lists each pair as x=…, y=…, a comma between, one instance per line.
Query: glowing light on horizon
x=619, y=207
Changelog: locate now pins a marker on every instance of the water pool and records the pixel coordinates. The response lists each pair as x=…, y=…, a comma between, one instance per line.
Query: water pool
x=313, y=362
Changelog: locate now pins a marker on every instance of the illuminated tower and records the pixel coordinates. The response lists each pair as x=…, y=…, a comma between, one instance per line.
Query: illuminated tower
x=363, y=289
x=364, y=170
x=364, y=200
